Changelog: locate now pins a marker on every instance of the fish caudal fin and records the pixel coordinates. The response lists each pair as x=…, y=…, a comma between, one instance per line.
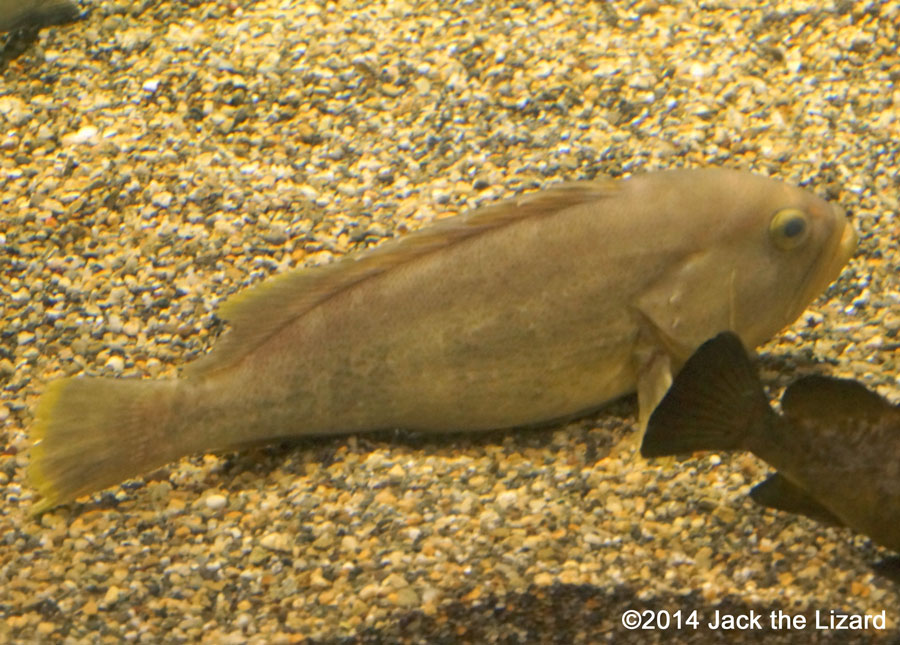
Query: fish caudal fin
x=90, y=433
x=714, y=402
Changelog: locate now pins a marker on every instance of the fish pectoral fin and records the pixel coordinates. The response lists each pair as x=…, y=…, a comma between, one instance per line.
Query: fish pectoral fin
x=780, y=493
x=690, y=302
x=713, y=404
x=829, y=398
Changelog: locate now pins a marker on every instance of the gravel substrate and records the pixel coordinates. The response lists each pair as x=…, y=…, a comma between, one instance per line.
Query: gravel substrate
x=158, y=156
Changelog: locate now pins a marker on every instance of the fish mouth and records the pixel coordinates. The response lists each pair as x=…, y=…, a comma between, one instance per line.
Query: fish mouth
x=840, y=251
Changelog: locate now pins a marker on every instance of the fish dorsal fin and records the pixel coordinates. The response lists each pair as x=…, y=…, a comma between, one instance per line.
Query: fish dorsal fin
x=831, y=399
x=261, y=311
x=782, y=494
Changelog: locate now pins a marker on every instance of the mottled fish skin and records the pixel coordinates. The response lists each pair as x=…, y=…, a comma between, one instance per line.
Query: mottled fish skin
x=836, y=448
x=537, y=308
x=20, y=14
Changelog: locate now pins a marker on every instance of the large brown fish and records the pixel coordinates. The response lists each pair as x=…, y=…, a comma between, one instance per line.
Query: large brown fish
x=535, y=309
x=19, y=14
x=836, y=449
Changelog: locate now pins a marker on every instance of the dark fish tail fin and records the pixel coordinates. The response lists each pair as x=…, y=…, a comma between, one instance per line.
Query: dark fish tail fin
x=91, y=433
x=714, y=403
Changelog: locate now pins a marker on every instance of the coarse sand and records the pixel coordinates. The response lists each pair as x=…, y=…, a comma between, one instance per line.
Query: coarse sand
x=157, y=156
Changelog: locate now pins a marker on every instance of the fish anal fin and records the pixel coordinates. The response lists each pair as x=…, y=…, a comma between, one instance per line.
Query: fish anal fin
x=715, y=401
x=831, y=399
x=782, y=494
x=259, y=312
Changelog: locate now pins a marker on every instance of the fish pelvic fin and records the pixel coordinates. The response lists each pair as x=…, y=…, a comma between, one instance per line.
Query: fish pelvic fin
x=258, y=313
x=714, y=403
x=654, y=381
x=90, y=433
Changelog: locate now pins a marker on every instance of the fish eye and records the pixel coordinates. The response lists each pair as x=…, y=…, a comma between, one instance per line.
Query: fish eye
x=789, y=228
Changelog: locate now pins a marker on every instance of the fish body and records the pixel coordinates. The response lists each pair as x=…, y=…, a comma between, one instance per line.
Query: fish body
x=836, y=448
x=534, y=309
x=20, y=14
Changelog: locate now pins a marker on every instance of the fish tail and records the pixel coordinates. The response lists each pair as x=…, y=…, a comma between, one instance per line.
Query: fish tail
x=715, y=403
x=90, y=433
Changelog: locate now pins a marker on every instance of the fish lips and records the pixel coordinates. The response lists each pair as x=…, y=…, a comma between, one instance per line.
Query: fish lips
x=840, y=250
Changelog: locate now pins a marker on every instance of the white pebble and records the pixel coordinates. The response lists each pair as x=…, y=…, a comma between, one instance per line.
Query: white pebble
x=163, y=199
x=216, y=502
x=698, y=70
x=506, y=499
x=115, y=363
x=20, y=295
x=115, y=323
x=274, y=542
x=25, y=337
x=86, y=134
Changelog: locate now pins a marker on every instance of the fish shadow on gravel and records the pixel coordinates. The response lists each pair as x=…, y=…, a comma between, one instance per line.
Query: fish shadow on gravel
x=14, y=45
x=589, y=438
x=582, y=441
x=570, y=614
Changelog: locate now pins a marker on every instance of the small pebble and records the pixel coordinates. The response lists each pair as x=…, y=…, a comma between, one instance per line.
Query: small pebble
x=216, y=502
x=115, y=363
x=87, y=134
x=274, y=542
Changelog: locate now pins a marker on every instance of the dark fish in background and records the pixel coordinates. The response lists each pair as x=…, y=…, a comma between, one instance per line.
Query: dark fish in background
x=22, y=14
x=836, y=448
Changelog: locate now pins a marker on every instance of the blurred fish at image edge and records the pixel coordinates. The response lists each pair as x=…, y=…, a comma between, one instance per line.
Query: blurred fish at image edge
x=35, y=14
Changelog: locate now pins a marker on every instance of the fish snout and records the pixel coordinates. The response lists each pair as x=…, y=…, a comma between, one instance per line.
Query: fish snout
x=849, y=240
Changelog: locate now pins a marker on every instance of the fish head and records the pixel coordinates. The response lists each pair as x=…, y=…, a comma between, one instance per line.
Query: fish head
x=755, y=252
x=799, y=245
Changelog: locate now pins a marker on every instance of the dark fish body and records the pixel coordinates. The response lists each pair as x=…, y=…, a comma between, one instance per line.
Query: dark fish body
x=536, y=308
x=21, y=14
x=836, y=447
